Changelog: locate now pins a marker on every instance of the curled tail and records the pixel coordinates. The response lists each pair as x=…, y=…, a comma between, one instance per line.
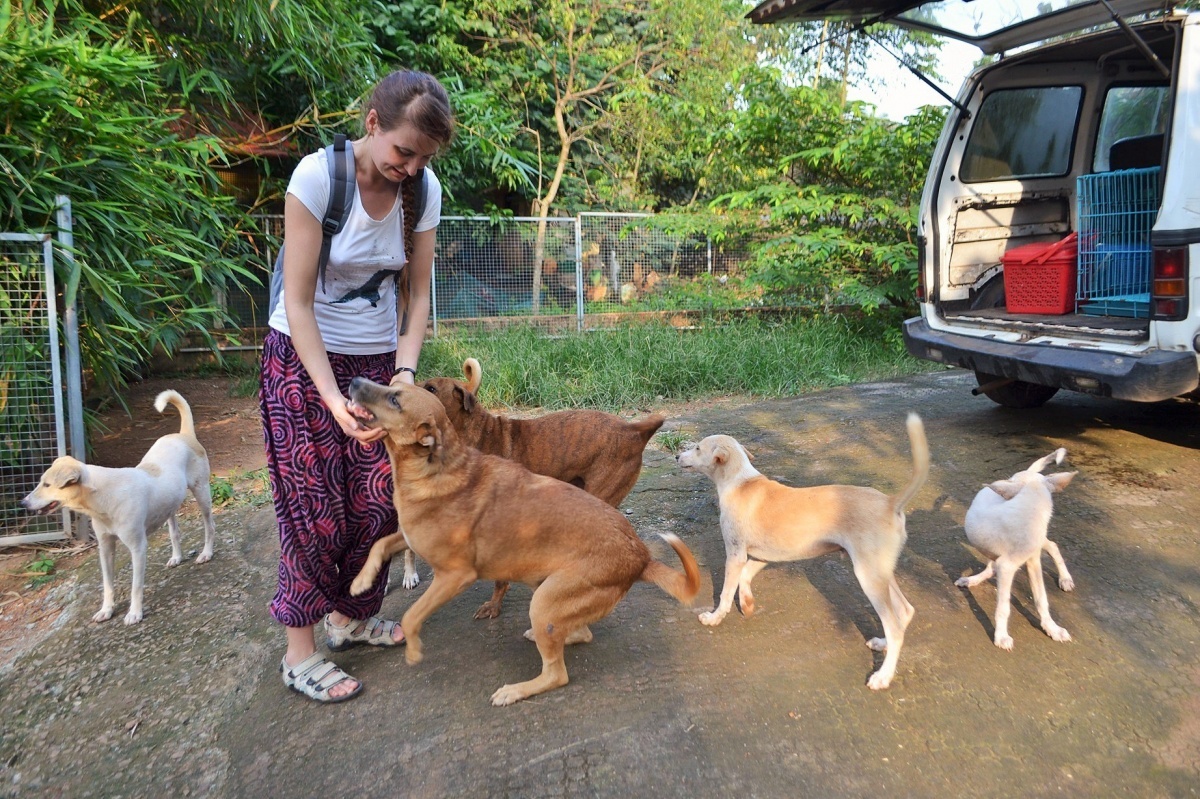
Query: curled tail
x=920, y=456
x=683, y=587
x=186, y=425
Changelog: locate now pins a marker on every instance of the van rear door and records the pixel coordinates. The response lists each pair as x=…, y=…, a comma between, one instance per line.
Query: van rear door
x=993, y=26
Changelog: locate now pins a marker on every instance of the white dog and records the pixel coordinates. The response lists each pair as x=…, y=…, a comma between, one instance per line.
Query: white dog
x=129, y=504
x=763, y=521
x=1007, y=522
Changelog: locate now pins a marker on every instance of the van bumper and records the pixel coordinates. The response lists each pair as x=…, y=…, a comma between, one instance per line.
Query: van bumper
x=1150, y=377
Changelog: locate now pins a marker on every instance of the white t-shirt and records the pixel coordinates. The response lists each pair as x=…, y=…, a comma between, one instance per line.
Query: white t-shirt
x=355, y=307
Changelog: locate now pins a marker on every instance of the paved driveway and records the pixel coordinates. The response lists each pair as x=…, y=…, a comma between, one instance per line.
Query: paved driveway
x=189, y=703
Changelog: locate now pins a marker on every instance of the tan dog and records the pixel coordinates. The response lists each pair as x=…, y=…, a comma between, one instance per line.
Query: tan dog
x=473, y=516
x=596, y=451
x=1008, y=522
x=128, y=504
x=764, y=521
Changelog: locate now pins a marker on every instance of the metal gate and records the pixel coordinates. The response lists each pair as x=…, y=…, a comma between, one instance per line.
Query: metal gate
x=32, y=430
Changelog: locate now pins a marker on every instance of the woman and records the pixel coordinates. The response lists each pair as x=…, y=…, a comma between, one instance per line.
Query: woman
x=330, y=479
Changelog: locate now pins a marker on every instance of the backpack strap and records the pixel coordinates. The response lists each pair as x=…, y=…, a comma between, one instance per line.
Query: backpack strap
x=342, y=185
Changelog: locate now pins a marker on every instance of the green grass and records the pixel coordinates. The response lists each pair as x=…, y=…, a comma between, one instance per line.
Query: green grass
x=638, y=366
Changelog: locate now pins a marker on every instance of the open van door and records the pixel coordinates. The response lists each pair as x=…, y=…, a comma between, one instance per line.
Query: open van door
x=993, y=26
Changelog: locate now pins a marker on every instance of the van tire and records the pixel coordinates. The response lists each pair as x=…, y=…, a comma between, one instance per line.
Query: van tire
x=1017, y=394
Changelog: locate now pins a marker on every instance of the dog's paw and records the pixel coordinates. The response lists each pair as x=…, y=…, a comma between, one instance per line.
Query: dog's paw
x=1057, y=633
x=133, y=617
x=173, y=562
x=711, y=618
x=1066, y=584
x=489, y=610
x=411, y=581
x=204, y=557
x=412, y=652
x=1005, y=642
x=507, y=695
x=360, y=585
x=746, y=603
x=963, y=582
x=104, y=614
x=877, y=645
x=879, y=681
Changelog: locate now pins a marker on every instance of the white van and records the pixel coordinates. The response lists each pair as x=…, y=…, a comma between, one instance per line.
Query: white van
x=1062, y=207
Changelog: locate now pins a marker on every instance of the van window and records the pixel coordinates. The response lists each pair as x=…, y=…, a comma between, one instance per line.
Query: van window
x=1023, y=133
x=1135, y=116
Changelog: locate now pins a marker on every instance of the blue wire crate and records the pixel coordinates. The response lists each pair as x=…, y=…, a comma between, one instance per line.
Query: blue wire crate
x=1116, y=212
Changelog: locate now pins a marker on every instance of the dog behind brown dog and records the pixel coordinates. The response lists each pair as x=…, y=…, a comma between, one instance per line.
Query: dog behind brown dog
x=596, y=451
x=475, y=516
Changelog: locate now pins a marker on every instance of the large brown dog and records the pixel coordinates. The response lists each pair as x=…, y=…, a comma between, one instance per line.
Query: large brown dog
x=473, y=516
x=599, y=452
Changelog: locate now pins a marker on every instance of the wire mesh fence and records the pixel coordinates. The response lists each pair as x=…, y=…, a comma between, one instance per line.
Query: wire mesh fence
x=32, y=418
x=523, y=267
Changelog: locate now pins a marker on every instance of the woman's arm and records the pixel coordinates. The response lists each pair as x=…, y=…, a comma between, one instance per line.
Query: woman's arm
x=408, y=346
x=302, y=246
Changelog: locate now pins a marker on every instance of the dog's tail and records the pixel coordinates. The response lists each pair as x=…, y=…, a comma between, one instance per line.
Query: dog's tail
x=683, y=587
x=186, y=425
x=647, y=427
x=920, y=456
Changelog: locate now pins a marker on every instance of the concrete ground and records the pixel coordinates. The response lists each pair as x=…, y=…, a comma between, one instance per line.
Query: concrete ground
x=190, y=702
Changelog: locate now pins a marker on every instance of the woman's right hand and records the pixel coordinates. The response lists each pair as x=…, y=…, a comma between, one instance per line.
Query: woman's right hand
x=350, y=424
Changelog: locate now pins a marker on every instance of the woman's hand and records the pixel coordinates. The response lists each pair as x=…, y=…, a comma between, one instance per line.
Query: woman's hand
x=351, y=425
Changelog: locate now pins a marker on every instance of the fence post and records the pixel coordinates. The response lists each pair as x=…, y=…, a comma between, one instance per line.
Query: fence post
x=74, y=369
x=579, y=298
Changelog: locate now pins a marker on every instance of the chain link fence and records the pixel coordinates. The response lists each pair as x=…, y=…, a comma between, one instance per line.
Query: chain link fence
x=32, y=414
x=561, y=268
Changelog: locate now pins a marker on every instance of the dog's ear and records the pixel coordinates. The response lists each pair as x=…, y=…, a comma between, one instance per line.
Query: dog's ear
x=1006, y=488
x=720, y=456
x=68, y=475
x=465, y=398
x=1060, y=480
x=429, y=437
x=749, y=454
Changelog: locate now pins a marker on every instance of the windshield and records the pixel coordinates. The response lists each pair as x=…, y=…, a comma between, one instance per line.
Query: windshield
x=980, y=20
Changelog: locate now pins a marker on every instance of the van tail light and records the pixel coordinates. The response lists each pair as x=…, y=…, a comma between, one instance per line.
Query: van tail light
x=1169, y=291
x=921, y=269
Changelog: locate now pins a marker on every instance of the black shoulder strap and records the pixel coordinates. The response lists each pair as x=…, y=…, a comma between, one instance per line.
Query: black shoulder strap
x=342, y=185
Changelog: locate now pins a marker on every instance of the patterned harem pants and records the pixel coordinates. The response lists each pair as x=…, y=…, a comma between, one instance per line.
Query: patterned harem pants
x=333, y=496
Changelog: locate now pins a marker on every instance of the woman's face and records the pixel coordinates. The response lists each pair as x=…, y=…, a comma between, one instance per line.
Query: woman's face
x=400, y=152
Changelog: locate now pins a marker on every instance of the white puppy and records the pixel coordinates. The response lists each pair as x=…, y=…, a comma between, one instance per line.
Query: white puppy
x=763, y=521
x=130, y=503
x=1007, y=522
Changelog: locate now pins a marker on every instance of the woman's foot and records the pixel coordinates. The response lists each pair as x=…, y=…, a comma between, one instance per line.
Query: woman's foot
x=320, y=680
x=344, y=632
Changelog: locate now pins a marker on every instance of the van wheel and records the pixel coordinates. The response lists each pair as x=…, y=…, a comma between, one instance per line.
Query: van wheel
x=1015, y=394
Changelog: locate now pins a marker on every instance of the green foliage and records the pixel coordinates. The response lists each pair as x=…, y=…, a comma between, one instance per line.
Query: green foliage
x=153, y=235
x=221, y=490
x=836, y=218
x=672, y=441
x=41, y=569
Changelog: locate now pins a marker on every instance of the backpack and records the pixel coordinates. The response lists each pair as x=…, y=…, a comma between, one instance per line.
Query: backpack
x=342, y=186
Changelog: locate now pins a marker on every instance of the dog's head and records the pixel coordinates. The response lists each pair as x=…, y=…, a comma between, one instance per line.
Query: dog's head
x=61, y=486
x=457, y=397
x=1033, y=476
x=715, y=456
x=412, y=417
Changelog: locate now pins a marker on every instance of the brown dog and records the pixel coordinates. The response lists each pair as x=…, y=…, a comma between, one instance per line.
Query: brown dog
x=599, y=452
x=474, y=516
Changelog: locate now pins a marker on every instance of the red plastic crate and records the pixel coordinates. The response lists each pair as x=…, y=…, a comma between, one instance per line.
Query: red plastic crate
x=1040, y=278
